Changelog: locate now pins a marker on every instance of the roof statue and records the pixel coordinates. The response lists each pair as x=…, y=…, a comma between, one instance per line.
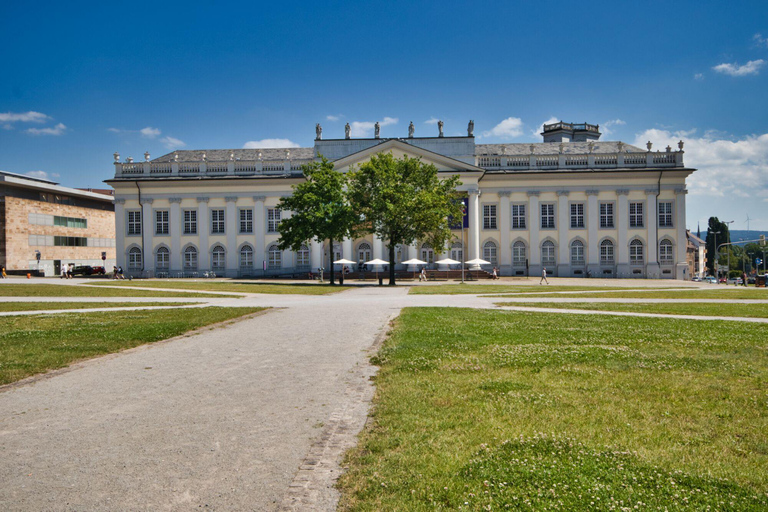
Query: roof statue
x=471, y=128
x=318, y=132
x=440, y=128
x=146, y=156
x=411, y=129
x=376, y=129
x=346, y=131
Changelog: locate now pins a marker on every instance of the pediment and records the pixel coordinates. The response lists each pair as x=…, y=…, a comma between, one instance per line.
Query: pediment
x=398, y=149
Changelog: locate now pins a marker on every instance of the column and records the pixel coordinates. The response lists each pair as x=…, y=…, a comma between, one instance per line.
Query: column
x=288, y=259
x=174, y=226
x=231, y=227
x=563, y=222
x=681, y=244
x=474, y=227
x=316, y=255
x=534, y=224
x=378, y=252
x=505, y=216
x=651, y=244
x=622, y=220
x=413, y=252
x=593, y=224
x=259, y=232
x=119, y=233
x=203, y=228
x=346, y=249
x=147, y=231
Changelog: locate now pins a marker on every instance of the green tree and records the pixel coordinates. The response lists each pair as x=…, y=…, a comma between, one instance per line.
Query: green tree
x=319, y=209
x=403, y=200
x=715, y=230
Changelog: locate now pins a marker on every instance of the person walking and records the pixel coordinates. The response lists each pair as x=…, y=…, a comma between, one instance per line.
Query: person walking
x=4, y=274
x=495, y=275
x=543, y=275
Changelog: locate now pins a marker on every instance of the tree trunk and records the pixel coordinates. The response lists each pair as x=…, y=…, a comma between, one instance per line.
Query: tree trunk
x=330, y=260
x=391, y=264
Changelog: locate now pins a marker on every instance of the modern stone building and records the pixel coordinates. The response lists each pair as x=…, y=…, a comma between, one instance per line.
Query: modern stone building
x=574, y=204
x=64, y=225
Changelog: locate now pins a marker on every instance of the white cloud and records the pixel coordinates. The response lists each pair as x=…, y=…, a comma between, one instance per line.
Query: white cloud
x=172, y=142
x=431, y=120
x=24, y=117
x=536, y=133
x=7, y=127
x=149, y=132
x=750, y=68
x=509, y=128
x=698, y=76
x=606, y=126
x=333, y=118
x=59, y=129
x=115, y=130
x=760, y=41
x=726, y=168
x=270, y=143
x=365, y=128
x=39, y=174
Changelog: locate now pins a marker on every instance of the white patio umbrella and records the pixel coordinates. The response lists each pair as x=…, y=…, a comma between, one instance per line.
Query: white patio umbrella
x=377, y=262
x=477, y=261
x=447, y=262
x=343, y=261
x=414, y=261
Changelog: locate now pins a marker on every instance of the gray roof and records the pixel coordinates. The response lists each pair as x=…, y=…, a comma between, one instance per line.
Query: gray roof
x=218, y=155
x=552, y=148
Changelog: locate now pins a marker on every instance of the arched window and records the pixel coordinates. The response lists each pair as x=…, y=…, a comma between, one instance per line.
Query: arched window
x=134, y=258
x=606, y=252
x=489, y=252
x=364, y=252
x=577, y=253
x=548, y=253
x=274, y=257
x=302, y=257
x=218, y=258
x=246, y=257
x=665, y=252
x=190, y=258
x=518, y=254
x=457, y=251
x=427, y=253
x=337, y=252
x=162, y=258
x=636, y=252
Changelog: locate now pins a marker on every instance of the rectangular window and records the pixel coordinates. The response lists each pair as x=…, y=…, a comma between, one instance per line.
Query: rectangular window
x=489, y=216
x=217, y=222
x=161, y=222
x=577, y=215
x=190, y=222
x=606, y=215
x=636, y=215
x=547, y=216
x=246, y=221
x=273, y=220
x=665, y=215
x=518, y=216
x=134, y=222
x=70, y=222
x=70, y=241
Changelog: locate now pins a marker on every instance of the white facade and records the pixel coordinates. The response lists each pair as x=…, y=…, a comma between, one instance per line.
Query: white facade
x=605, y=209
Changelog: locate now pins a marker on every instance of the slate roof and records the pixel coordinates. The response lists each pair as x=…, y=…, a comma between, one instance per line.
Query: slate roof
x=218, y=155
x=552, y=148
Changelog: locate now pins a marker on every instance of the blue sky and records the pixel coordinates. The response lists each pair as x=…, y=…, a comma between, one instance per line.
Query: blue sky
x=80, y=82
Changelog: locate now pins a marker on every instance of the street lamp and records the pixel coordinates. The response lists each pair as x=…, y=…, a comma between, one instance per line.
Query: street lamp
x=717, y=269
x=729, y=251
x=463, y=244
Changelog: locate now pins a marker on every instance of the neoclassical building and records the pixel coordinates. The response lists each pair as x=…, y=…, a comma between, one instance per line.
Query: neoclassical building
x=574, y=204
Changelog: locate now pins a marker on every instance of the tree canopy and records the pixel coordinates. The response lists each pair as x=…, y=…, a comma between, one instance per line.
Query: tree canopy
x=404, y=200
x=715, y=230
x=319, y=209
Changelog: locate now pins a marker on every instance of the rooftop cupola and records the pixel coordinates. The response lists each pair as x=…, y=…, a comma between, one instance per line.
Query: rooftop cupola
x=570, y=132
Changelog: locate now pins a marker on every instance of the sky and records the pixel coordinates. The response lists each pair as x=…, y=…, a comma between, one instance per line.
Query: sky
x=80, y=81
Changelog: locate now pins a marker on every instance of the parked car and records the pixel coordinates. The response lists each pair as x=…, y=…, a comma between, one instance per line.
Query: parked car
x=696, y=279
x=99, y=270
x=710, y=280
x=82, y=270
x=751, y=280
x=735, y=280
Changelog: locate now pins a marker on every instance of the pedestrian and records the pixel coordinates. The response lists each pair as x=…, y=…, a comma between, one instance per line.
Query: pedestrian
x=744, y=278
x=4, y=275
x=114, y=272
x=543, y=275
x=423, y=274
x=120, y=273
x=495, y=275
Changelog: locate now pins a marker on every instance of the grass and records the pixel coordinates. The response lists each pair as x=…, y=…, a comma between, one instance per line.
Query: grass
x=682, y=294
x=233, y=286
x=487, y=410
x=456, y=289
x=735, y=310
x=35, y=344
x=38, y=306
x=54, y=290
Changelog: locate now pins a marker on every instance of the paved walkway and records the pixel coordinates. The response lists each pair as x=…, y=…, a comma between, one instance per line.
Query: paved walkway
x=222, y=419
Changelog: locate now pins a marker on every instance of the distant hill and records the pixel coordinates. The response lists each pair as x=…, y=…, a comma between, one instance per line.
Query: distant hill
x=743, y=234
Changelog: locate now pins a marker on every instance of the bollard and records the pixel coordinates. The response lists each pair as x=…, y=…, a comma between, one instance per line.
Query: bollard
x=341, y=279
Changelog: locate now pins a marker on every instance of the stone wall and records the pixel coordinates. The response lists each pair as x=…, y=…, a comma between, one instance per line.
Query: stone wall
x=18, y=252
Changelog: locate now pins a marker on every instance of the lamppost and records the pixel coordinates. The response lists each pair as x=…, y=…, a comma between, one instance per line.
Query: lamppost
x=729, y=250
x=463, y=244
x=717, y=269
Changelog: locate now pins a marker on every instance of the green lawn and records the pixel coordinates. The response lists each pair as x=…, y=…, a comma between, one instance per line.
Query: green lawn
x=239, y=287
x=735, y=310
x=54, y=290
x=487, y=410
x=682, y=294
x=37, y=306
x=35, y=344
x=455, y=289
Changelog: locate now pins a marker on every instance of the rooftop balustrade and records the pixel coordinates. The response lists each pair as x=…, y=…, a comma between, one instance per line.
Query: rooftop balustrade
x=210, y=168
x=558, y=161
